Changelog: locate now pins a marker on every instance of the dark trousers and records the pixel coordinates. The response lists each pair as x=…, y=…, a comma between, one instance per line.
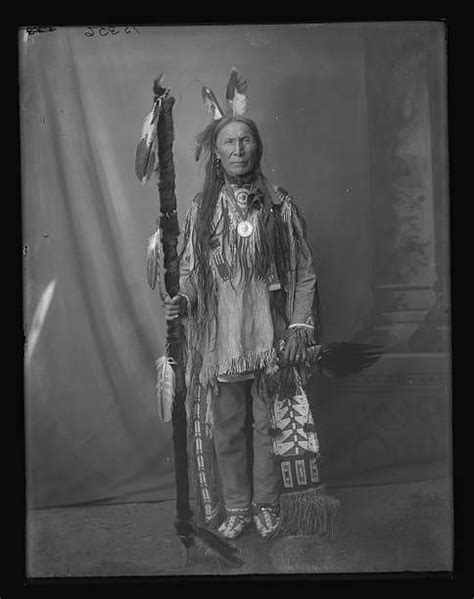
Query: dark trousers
x=230, y=441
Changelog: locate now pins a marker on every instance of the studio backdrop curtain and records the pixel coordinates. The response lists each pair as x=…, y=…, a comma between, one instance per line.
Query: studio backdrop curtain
x=92, y=428
x=92, y=431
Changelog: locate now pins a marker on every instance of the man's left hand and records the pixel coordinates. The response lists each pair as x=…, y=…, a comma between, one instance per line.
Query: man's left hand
x=294, y=353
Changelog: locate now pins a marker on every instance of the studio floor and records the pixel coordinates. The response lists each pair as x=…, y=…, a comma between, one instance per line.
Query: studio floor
x=381, y=528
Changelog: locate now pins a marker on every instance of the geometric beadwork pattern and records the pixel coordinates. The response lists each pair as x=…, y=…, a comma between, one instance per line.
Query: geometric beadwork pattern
x=299, y=473
x=210, y=510
x=294, y=426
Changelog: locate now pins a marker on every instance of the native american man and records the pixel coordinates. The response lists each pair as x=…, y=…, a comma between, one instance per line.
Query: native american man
x=249, y=296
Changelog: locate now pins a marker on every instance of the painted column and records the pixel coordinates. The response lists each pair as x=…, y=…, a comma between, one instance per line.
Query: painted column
x=403, y=89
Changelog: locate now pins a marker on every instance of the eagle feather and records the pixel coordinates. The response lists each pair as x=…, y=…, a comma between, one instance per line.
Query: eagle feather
x=236, y=94
x=146, y=154
x=165, y=387
x=153, y=259
x=146, y=157
x=211, y=103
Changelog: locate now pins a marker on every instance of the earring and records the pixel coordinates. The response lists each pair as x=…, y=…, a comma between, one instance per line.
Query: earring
x=217, y=162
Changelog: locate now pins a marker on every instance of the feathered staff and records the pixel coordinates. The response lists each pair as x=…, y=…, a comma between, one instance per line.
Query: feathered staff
x=154, y=156
x=145, y=159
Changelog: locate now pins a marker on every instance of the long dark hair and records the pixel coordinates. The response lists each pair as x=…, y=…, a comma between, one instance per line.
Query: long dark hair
x=207, y=201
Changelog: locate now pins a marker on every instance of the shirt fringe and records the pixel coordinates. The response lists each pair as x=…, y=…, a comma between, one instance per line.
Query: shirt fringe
x=239, y=365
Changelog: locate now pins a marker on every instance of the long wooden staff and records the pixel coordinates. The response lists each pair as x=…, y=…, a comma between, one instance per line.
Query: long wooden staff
x=155, y=156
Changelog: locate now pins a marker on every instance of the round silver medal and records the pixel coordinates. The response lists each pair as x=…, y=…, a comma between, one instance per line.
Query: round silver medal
x=241, y=197
x=244, y=228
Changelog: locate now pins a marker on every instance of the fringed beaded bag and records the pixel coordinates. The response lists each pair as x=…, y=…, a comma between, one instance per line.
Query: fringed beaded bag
x=305, y=507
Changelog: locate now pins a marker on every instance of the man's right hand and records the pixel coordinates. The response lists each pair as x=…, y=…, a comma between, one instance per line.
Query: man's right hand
x=175, y=306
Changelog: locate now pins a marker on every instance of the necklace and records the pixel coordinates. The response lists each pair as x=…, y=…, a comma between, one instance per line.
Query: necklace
x=245, y=227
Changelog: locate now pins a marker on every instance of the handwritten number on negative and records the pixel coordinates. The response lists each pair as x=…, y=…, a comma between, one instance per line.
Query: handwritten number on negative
x=104, y=30
x=32, y=29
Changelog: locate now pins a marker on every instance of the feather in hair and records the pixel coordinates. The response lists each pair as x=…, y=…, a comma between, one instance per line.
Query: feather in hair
x=236, y=94
x=211, y=103
x=165, y=387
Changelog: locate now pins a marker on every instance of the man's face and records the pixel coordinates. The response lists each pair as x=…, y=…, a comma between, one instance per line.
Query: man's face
x=237, y=148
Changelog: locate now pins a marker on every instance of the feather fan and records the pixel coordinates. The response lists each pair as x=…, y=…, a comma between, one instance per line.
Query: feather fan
x=236, y=94
x=334, y=360
x=211, y=103
x=341, y=359
x=165, y=386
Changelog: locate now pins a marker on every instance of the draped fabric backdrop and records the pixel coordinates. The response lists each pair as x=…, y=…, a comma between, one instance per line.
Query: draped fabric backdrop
x=92, y=428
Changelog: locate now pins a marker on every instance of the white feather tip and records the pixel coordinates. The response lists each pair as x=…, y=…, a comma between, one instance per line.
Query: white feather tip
x=153, y=259
x=149, y=126
x=236, y=94
x=211, y=103
x=165, y=387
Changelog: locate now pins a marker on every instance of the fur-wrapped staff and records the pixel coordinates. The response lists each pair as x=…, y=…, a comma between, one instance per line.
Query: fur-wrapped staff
x=154, y=157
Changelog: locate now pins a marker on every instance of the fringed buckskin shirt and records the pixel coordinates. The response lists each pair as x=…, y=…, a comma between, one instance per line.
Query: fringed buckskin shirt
x=242, y=339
